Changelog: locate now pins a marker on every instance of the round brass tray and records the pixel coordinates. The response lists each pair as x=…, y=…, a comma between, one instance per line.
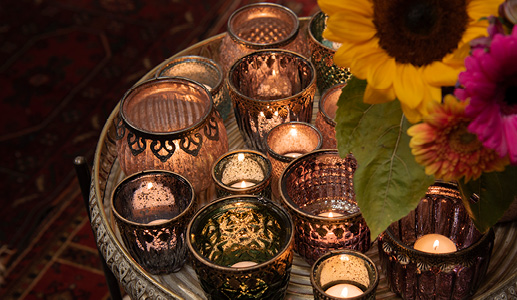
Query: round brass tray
x=501, y=278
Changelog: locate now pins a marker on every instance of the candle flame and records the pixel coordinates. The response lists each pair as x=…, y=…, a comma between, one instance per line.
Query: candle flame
x=273, y=73
x=344, y=292
x=240, y=157
x=243, y=184
x=331, y=215
x=149, y=185
x=344, y=257
x=293, y=132
x=436, y=245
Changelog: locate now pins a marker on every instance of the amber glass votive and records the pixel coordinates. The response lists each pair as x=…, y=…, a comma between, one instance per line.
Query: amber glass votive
x=344, y=274
x=152, y=210
x=241, y=248
x=260, y=26
x=326, y=115
x=318, y=191
x=170, y=124
x=287, y=141
x=205, y=71
x=268, y=88
x=242, y=172
x=322, y=55
x=421, y=272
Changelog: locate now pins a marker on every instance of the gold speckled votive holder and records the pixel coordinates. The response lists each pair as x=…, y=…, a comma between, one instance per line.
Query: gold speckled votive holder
x=242, y=172
x=344, y=274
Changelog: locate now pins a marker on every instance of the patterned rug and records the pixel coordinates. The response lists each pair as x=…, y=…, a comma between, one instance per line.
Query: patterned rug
x=64, y=64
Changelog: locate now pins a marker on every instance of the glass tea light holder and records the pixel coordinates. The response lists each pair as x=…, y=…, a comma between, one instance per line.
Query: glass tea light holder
x=268, y=88
x=317, y=189
x=242, y=172
x=344, y=274
x=261, y=26
x=241, y=248
x=152, y=210
x=322, y=55
x=286, y=142
x=205, y=71
x=170, y=124
x=326, y=115
x=435, y=252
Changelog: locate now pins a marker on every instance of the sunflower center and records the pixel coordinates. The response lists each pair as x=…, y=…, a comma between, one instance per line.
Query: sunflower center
x=419, y=32
x=462, y=141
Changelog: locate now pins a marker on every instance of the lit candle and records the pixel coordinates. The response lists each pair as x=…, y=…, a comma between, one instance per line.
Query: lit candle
x=152, y=192
x=244, y=264
x=330, y=214
x=158, y=221
x=275, y=86
x=435, y=243
x=344, y=290
x=292, y=154
x=243, y=184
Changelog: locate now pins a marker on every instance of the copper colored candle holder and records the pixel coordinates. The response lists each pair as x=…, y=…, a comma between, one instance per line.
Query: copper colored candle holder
x=170, y=124
x=261, y=26
x=152, y=210
x=344, y=268
x=322, y=55
x=242, y=172
x=287, y=141
x=205, y=71
x=311, y=187
x=268, y=88
x=326, y=115
x=250, y=231
x=415, y=274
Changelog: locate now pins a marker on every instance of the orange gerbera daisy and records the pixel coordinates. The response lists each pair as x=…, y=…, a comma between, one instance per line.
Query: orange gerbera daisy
x=447, y=149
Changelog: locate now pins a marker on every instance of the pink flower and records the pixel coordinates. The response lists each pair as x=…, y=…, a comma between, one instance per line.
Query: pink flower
x=490, y=82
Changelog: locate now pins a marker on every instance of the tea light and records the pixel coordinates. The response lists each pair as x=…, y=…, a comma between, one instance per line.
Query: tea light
x=244, y=264
x=344, y=290
x=158, y=221
x=275, y=86
x=243, y=184
x=330, y=214
x=435, y=243
x=293, y=154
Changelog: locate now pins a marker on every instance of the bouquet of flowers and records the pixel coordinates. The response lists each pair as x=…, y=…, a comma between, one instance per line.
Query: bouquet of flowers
x=433, y=96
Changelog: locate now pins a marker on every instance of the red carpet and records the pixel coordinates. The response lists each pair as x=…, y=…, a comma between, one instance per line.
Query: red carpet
x=63, y=67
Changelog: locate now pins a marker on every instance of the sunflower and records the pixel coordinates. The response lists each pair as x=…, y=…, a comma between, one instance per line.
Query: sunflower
x=443, y=144
x=405, y=49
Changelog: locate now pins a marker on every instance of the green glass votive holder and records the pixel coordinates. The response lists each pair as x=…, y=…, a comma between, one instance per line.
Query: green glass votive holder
x=344, y=274
x=241, y=248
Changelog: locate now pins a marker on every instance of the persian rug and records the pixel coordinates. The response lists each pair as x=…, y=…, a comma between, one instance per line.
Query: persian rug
x=64, y=65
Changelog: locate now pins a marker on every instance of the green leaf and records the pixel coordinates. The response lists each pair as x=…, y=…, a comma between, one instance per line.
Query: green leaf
x=388, y=182
x=496, y=191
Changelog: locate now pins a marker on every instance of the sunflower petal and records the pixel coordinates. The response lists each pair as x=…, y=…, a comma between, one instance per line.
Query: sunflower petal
x=382, y=70
x=376, y=96
x=440, y=74
x=409, y=85
x=361, y=7
x=344, y=26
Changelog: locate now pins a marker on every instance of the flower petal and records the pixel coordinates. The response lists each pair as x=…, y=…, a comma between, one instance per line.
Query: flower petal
x=376, y=96
x=360, y=7
x=344, y=26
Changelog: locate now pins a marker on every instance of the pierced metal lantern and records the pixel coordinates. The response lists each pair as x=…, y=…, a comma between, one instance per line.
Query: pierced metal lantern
x=170, y=124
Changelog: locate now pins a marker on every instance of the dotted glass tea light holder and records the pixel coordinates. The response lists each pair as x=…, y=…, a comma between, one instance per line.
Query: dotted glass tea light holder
x=241, y=248
x=326, y=115
x=152, y=210
x=286, y=142
x=268, y=88
x=170, y=124
x=261, y=26
x=435, y=252
x=317, y=189
x=322, y=55
x=205, y=71
x=344, y=274
x=242, y=172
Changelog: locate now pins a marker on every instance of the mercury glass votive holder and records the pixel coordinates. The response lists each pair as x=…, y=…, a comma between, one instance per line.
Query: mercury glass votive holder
x=268, y=88
x=205, y=71
x=170, y=124
x=260, y=26
x=287, y=141
x=241, y=172
x=241, y=248
x=322, y=55
x=326, y=115
x=450, y=268
x=152, y=210
x=317, y=189
x=343, y=274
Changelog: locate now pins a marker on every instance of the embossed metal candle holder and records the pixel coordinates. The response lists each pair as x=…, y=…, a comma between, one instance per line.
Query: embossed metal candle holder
x=241, y=248
x=326, y=115
x=344, y=274
x=270, y=87
x=152, y=210
x=418, y=274
x=322, y=55
x=318, y=191
x=242, y=172
x=205, y=71
x=261, y=26
x=170, y=124
x=287, y=141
